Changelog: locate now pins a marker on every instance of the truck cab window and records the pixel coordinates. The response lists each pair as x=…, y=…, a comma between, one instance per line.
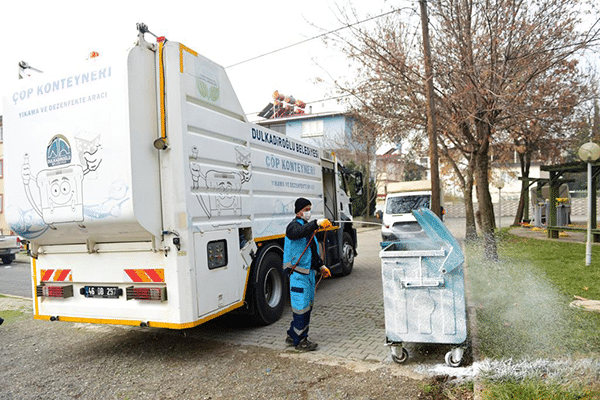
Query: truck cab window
x=405, y=204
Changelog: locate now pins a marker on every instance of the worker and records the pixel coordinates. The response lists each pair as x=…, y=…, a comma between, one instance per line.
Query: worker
x=301, y=259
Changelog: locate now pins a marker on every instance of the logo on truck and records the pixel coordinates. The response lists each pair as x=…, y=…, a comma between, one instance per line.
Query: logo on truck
x=58, y=151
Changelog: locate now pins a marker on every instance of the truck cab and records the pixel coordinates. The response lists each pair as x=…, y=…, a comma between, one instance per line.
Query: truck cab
x=402, y=198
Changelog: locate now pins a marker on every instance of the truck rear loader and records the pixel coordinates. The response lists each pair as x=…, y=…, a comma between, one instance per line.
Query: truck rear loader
x=149, y=199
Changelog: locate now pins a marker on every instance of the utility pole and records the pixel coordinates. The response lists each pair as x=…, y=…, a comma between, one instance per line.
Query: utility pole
x=431, y=122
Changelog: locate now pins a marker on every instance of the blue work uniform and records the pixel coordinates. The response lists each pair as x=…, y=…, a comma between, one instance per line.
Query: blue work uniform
x=302, y=279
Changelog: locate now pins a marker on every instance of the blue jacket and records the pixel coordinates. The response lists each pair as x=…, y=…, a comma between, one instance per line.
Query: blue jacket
x=297, y=235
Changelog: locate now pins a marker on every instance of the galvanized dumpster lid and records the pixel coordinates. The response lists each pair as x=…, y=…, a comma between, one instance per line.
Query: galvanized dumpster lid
x=438, y=232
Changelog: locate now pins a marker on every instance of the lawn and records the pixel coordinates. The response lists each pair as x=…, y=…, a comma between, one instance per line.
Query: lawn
x=529, y=336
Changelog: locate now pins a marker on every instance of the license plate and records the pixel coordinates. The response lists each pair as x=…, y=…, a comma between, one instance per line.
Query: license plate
x=105, y=292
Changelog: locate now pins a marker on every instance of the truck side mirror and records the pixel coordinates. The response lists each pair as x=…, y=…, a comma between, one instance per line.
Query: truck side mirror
x=359, y=183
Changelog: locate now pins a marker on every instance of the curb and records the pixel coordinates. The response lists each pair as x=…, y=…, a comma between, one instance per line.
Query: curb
x=12, y=296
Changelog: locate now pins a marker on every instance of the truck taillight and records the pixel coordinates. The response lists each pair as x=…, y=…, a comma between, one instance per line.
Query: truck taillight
x=146, y=293
x=54, y=291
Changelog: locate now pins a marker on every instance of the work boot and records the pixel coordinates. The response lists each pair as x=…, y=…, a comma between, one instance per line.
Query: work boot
x=306, y=345
x=289, y=341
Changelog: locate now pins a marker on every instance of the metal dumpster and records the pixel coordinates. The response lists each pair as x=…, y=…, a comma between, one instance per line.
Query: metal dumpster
x=423, y=290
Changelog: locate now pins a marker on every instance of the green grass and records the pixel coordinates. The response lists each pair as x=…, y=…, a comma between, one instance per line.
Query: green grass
x=522, y=305
x=11, y=316
x=563, y=263
x=534, y=390
x=523, y=299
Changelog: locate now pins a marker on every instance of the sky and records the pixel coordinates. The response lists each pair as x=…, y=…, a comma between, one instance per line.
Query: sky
x=50, y=35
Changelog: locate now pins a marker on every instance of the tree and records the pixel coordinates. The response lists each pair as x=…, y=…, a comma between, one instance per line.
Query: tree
x=496, y=52
x=358, y=153
x=548, y=120
x=490, y=59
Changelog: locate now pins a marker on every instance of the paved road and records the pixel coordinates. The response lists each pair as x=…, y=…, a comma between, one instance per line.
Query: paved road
x=15, y=279
x=347, y=321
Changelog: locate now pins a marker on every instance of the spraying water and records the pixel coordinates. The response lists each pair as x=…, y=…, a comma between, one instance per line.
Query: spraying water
x=525, y=324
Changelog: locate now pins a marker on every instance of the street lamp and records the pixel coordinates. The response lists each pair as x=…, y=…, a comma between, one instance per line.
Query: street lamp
x=500, y=185
x=589, y=153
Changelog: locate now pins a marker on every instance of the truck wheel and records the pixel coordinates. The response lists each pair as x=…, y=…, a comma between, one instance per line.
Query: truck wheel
x=7, y=259
x=269, y=294
x=347, y=254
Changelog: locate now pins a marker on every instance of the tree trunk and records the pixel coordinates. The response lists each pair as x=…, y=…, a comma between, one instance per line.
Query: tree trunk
x=525, y=160
x=471, y=229
x=484, y=199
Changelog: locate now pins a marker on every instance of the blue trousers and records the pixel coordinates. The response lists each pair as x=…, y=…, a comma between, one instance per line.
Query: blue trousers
x=302, y=297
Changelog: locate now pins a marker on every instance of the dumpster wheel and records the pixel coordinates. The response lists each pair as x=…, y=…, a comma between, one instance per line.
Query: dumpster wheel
x=454, y=357
x=399, y=358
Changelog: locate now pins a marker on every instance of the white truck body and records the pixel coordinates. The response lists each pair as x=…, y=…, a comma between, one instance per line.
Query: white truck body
x=126, y=232
x=401, y=199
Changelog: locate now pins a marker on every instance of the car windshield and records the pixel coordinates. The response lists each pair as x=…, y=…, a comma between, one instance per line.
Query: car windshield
x=405, y=204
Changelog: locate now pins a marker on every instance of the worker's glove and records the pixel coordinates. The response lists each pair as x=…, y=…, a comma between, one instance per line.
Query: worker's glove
x=325, y=272
x=323, y=223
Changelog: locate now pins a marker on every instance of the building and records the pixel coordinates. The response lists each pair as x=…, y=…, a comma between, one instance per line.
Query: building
x=330, y=130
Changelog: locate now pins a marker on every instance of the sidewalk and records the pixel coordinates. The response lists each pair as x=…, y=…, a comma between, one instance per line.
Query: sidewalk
x=565, y=236
x=542, y=234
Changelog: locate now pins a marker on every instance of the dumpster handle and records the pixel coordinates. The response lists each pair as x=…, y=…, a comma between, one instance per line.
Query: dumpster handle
x=423, y=282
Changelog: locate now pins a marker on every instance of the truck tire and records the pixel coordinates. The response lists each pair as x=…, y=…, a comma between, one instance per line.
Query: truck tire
x=7, y=259
x=347, y=254
x=270, y=288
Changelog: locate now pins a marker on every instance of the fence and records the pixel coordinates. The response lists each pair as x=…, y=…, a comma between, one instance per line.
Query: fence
x=509, y=208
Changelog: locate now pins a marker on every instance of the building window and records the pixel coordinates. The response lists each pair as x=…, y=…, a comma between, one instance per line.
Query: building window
x=278, y=128
x=1, y=168
x=1, y=204
x=312, y=128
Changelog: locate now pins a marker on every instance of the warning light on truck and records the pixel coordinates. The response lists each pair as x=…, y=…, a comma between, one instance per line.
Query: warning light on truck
x=146, y=293
x=54, y=291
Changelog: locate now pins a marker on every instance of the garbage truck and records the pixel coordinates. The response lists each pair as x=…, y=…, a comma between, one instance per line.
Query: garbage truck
x=148, y=199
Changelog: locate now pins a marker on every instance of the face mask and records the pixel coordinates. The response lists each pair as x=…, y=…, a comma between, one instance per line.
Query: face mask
x=306, y=215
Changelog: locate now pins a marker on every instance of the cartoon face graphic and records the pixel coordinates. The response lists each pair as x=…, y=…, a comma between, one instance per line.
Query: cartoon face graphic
x=223, y=197
x=226, y=196
x=61, y=194
x=61, y=191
